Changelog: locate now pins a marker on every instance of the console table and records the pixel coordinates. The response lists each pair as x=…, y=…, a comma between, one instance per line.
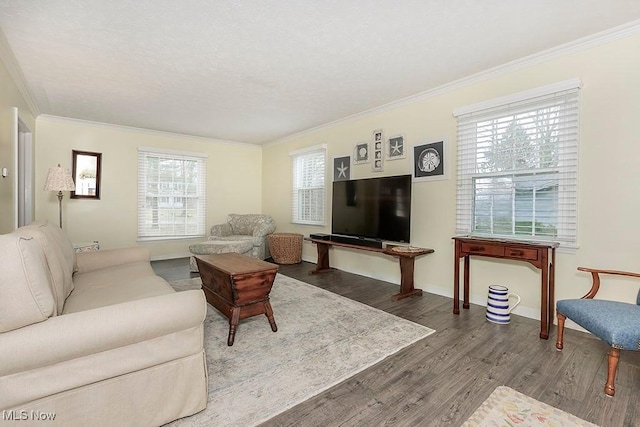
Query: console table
x=405, y=255
x=536, y=254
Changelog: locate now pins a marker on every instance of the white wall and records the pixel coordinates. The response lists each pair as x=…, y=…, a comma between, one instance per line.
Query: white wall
x=609, y=180
x=10, y=98
x=234, y=185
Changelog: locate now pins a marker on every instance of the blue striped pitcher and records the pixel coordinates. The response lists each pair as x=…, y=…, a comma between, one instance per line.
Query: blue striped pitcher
x=498, y=309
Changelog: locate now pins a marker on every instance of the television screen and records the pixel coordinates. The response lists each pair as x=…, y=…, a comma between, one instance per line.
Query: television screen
x=376, y=208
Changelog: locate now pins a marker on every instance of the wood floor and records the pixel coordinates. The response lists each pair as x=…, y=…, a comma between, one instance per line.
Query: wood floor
x=442, y=379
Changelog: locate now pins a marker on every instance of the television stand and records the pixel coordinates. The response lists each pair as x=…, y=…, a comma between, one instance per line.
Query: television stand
x=405, y=255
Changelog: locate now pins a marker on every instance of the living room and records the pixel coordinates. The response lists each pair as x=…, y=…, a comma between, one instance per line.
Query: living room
x=249, y=178
x=256, y=178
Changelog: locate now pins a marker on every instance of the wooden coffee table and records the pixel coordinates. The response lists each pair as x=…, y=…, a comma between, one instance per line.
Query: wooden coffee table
x=238, y=286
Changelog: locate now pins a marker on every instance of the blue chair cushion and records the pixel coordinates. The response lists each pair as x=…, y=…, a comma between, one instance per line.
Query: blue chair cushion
x=616, y=323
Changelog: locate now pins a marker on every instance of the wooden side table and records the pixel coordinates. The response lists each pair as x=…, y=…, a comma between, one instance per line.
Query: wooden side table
x=238, y=286
x=540, y=255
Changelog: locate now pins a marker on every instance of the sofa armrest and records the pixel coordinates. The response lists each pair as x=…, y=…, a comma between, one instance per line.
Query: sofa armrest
x=221, y=230
x=97, y=260
x=76, y=335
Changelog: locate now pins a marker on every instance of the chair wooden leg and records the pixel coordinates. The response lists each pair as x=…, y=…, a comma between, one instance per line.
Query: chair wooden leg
x=612, y=361
x=559, y=340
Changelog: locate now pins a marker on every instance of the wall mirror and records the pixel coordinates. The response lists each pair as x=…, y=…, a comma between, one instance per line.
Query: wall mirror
x=86, y=175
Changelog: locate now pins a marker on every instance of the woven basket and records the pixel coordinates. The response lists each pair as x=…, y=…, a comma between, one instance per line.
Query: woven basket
x=286, y=248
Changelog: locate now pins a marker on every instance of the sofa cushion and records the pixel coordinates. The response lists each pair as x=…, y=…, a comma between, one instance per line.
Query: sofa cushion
x=59, y=254
x=115, y=285
x=60, y=239
x=24, y=283
x=112, y=275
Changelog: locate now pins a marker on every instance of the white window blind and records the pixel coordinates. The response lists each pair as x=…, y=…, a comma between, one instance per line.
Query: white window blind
x=171, y=194
x=308, y=189
x=518, y=166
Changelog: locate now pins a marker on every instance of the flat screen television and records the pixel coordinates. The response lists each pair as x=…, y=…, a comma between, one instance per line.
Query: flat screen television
x=374, y=208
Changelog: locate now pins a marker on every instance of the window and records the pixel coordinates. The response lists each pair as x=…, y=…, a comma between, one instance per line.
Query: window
x=308, y=198
x=517, y=166
x=171, y=194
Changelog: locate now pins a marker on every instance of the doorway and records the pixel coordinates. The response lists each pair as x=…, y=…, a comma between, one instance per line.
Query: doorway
x=23, y=184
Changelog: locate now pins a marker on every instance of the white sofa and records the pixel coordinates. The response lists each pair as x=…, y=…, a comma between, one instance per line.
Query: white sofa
x=94, y=338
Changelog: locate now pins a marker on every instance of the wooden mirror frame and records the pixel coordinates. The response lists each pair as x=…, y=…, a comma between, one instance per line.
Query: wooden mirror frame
x=80, y=159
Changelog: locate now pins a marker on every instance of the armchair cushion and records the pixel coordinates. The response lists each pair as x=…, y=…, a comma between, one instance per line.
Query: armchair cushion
x=614, y=322
x=256, y=225
x=221, y=230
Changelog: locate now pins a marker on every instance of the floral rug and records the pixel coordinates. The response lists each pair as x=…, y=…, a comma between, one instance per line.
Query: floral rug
x=507, y=407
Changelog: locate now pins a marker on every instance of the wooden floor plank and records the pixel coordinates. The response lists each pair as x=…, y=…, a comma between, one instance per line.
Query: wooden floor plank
x=441, y=379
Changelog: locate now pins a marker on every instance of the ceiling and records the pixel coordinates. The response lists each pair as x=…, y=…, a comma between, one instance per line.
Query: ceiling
x=255, y=71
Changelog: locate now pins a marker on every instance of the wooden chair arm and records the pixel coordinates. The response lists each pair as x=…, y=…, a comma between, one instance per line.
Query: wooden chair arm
x=595, y=272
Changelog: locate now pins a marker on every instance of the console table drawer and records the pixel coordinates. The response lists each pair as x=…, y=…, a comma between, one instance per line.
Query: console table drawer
x=521, y=253
x=482, y=249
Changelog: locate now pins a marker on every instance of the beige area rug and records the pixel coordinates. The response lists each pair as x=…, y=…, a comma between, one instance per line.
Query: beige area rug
x=507, y=407
x=322, y=339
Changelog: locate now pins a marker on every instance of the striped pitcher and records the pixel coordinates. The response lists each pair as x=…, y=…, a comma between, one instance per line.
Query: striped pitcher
x=498, y=310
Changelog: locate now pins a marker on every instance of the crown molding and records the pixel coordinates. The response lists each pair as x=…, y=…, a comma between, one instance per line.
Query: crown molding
x=15, y=72
x=579, y=45
x=60, y=119
x=575, y=83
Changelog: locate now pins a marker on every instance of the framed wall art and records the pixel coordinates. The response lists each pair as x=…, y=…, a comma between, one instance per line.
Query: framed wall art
x=342, y=168
x=395, y=148
x=429, y=161
x=361, y=153
x=378, y=151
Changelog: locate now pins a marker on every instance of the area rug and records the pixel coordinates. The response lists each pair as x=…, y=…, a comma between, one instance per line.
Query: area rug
x=322, y=339
x=507, y=407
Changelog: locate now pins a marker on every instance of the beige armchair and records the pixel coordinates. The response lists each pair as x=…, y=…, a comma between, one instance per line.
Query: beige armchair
x=253, y=228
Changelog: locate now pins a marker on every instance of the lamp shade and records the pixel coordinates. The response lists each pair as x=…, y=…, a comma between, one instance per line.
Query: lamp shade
x=59, y=179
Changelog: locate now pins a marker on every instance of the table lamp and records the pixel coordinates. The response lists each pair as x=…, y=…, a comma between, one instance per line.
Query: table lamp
x=59, y=179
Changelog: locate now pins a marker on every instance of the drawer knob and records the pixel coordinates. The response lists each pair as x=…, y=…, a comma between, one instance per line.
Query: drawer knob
x=517, y=253
x=477, y=248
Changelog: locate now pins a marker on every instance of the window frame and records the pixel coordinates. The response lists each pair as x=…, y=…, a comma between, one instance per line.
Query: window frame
x=470, y=143
x=319, y=185
x=143, y=227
